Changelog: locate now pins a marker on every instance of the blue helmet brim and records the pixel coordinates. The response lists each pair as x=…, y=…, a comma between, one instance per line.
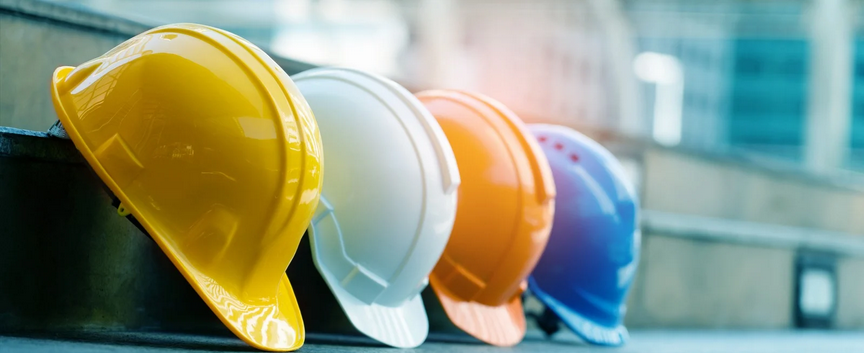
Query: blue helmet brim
x=584, y=328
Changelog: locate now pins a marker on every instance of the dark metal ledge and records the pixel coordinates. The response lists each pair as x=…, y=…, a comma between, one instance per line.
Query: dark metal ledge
x=19, y=143
x=37, y=145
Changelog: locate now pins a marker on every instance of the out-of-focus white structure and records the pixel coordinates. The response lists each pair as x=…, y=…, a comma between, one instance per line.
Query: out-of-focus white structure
x=666, y=73
x=829, y=113
x=565, y=62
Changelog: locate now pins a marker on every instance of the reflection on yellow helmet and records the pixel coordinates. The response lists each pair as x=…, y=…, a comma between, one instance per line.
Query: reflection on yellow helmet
x=211, y=147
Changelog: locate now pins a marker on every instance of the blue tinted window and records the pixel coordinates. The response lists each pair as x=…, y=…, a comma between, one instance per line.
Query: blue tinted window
x=769, y=92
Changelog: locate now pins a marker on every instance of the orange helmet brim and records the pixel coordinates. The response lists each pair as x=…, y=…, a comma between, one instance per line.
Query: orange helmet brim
x=502, y=325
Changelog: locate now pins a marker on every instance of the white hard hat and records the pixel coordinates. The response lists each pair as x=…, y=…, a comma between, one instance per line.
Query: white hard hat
x=388, y=202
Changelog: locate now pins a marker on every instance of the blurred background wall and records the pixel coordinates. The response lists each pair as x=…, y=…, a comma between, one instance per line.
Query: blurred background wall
x=781, y=79
x=740, y=121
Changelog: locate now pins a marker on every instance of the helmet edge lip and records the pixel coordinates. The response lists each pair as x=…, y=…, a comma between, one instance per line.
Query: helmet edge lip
x=410, y=307
x=620, y=331
x=444, y=296
x=60, y=74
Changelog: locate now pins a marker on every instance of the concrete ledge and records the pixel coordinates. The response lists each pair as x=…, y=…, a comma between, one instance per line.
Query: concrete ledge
x=751, y=233
x=691, y=283
x=695, y=270
x=39, y=145
x=34, y=144
x=681, y=183
x=637, y=147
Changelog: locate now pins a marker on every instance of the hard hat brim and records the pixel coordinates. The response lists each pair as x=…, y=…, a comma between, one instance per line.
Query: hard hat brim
x=404, y=326
x=502, y=325
x=276, y=326
x=586, y=329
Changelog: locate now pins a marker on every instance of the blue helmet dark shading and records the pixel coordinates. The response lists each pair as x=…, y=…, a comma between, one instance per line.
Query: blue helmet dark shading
x=589, y=263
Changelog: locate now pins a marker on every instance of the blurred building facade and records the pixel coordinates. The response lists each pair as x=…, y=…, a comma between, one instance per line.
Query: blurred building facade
x=856, y=155
x=749, y=83
x=763, y=96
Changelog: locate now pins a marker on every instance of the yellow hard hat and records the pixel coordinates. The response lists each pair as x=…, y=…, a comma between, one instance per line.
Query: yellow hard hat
x=211, y=147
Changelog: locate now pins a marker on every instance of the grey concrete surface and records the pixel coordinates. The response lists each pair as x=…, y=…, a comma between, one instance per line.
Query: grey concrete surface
x=642, y=342
x=722, y=281
x=36, y=37
x=30, y=51
x=753, y=234
x=686, y=184
x=850, y=301
x=694, y=283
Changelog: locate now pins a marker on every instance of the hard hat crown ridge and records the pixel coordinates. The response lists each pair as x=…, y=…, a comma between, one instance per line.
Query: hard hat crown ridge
x=388, y=201
x=542, y=181
x=504, y=213
x=213, y=150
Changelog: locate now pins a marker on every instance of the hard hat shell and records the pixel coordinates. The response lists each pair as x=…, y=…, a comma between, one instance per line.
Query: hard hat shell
x=388, y=202
x=586, y=271
x=504, y=214
x=211, y=147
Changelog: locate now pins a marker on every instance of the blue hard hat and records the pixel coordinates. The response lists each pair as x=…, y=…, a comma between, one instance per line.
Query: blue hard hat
x=589, y=263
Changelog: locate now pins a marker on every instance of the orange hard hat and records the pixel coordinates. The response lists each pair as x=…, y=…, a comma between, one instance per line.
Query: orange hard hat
x=503, y=216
